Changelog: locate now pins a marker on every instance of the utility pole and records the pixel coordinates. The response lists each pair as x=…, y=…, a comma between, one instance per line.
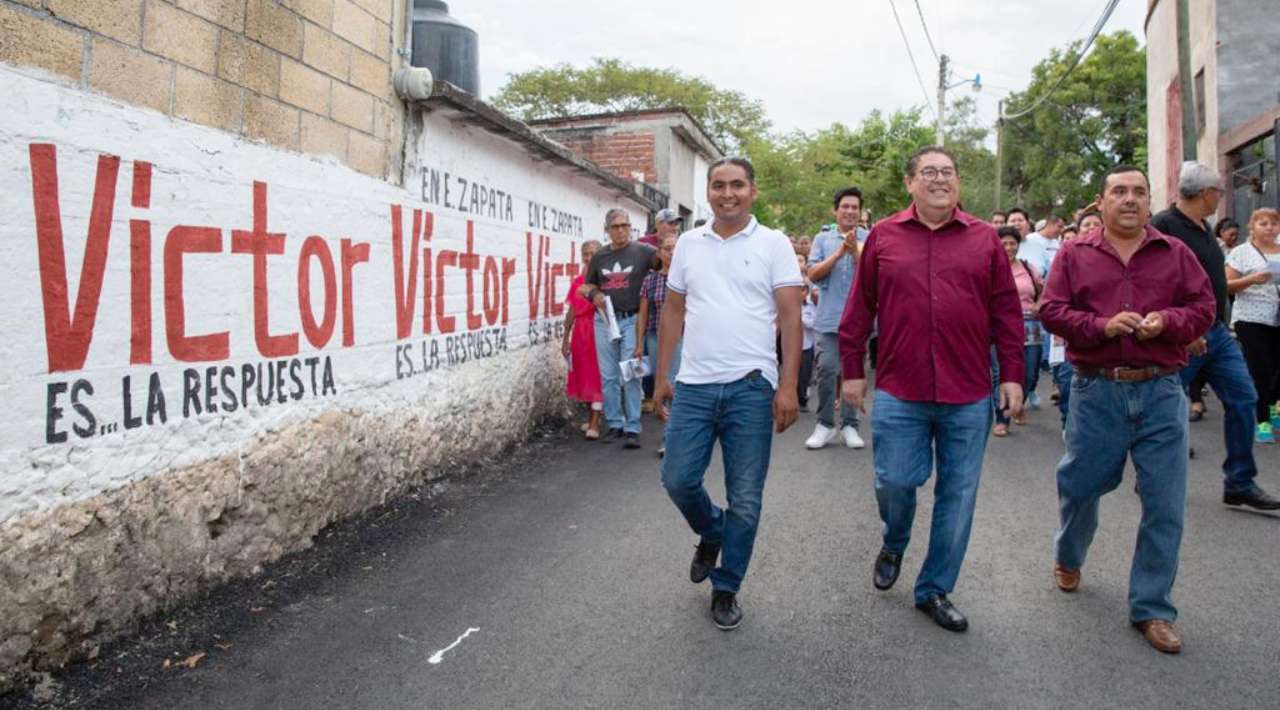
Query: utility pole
x=1186, y=86
x=942, y=97
x=999, y=151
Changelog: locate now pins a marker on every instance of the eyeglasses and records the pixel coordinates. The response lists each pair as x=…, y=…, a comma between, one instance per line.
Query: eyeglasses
x=624, y=225
x=932, y=173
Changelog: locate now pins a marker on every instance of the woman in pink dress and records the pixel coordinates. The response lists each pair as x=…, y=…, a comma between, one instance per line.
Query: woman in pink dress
x=579, y=347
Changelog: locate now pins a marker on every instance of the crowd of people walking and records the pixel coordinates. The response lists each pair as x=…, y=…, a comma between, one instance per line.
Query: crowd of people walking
x=1131, y=314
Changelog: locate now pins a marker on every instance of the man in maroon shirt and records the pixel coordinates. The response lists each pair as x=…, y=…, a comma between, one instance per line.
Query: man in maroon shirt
x=1128, y=300
x=940, y=284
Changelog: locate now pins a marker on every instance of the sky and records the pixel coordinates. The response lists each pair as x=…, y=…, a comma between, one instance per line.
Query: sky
x=812, y=62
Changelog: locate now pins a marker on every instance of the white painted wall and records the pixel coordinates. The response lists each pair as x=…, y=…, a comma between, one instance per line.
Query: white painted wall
x=205, y=178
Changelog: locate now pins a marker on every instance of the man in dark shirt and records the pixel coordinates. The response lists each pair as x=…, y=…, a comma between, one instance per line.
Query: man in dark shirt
x=1217, y=354
x=940, y=283
x=616, y=272
x=1128, y=300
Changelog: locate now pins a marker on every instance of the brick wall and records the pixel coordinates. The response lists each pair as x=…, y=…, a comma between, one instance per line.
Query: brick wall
x=312, y=76
x=620, y=153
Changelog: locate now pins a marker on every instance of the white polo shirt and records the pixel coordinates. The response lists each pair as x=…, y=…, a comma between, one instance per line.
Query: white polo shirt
x=730, y=310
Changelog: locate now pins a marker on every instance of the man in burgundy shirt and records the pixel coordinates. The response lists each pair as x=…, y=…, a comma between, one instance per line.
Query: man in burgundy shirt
x=1128, y=300
x=940, y=284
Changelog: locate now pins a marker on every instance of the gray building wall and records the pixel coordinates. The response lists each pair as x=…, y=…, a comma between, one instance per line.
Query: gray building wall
x=1248, y=60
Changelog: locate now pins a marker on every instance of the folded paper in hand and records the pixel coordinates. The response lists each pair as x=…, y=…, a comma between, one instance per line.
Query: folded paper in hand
x=614, y=333
x=634, y=368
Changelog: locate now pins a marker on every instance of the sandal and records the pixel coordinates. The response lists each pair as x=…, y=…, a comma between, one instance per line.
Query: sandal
x=1000, y=430
x=593, y=434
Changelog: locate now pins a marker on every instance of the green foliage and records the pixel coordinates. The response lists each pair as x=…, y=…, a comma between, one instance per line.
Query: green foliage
x=1052, y=156
x=611, y=85
x=798, y=173
x=1096, y=119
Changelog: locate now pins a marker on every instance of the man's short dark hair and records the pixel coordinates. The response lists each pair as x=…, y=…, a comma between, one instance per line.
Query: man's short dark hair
x=998, y=213
x=1020, y=211
x=734, y=160
x=1118, y=170
x=1011, y=232
x=846, y=192
x=914, y=161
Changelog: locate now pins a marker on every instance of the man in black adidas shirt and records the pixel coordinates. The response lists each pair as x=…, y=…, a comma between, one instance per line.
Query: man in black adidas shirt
x=617, y=271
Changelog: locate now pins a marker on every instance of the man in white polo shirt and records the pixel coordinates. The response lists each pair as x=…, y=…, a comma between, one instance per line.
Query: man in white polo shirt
x=731, y=282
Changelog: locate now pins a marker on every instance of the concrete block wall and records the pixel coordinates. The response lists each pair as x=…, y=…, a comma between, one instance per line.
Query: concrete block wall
x=312, y=76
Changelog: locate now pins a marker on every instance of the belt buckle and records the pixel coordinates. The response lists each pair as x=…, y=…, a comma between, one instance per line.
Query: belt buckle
x=1115, y=374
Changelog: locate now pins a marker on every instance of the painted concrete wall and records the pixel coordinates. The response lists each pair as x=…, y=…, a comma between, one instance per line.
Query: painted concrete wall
x=213, y=348
x=1164, y=118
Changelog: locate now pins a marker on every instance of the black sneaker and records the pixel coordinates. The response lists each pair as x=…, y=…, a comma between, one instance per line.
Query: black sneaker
x=632, y=442
x=725, y=612
x=704, y=560
x=1255, y=498
x=611, y=436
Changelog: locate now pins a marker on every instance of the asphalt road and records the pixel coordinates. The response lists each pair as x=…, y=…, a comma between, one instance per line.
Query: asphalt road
x=573, y=569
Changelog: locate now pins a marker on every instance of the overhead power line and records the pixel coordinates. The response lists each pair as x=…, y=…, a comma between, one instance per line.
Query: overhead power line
x=912, y=57
x=1097, y=29
x=927, y=36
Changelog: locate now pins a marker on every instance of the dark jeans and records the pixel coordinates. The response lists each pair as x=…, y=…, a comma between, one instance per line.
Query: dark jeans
x=1261, y=346
x=740, y=415
x=806, y=377
x=1225, y=368
x=1030, y=358
x=1063, y=374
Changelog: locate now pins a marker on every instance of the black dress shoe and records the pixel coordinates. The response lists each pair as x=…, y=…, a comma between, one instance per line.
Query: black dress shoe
x=704, y=560
x=888, y=565
x=725, y=612
x=939, y=608
x=632, y=442
x=1254, y=498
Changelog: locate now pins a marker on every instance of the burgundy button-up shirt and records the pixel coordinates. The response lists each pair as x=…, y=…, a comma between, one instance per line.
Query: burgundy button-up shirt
x=941, y=297
x=1089, y=284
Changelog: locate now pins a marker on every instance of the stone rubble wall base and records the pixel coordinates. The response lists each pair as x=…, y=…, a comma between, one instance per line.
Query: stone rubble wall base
x=74, y=576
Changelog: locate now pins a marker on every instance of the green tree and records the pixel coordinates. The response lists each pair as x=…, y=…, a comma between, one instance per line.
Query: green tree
x=798, y=172
x=1097, y=118
x=610, y=85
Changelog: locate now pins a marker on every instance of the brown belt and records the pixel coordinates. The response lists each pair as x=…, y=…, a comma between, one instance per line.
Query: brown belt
x=1126, y=374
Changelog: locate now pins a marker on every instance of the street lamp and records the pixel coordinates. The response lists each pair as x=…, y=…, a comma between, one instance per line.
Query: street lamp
x=943, y=63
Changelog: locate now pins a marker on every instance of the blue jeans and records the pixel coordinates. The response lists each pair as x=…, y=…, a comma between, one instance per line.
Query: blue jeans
x=621, y=400
x=904, y=438
x=1108, y=422
x=740, y=415
x=1063, y=373
x=1031, y=360
x=651, y=347
x=1224, y=365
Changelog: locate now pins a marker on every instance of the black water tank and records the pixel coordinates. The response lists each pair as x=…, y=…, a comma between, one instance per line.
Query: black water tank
x=444, y=45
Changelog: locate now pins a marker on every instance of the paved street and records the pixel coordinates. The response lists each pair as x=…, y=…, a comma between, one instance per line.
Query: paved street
x=574, y=572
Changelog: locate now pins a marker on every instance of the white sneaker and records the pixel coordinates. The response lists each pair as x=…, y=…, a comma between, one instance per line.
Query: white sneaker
x=820, y=436
x=851, y=438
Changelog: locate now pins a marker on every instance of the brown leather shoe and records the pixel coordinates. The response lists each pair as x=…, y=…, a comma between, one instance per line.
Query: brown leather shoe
x=1068, y=579
x=1161, y=635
